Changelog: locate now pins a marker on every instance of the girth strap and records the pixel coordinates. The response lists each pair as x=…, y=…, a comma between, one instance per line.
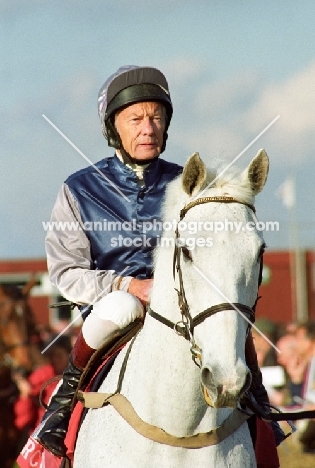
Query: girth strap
x=126, y=410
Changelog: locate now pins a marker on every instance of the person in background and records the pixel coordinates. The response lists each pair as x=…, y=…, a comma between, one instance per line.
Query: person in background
x=297, y=352
x=287, y=358
x=266, y=354
x=305, y=340
x=28, y=409
x=273, y=373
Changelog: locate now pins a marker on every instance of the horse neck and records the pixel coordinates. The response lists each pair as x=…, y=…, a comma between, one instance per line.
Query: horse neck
x=165, y=351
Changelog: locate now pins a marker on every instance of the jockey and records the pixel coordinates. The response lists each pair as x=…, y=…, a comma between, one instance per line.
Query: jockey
x=106, y=262
x=116, y=204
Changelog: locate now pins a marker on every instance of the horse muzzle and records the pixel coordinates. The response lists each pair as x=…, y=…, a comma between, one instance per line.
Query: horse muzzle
x=228, y=392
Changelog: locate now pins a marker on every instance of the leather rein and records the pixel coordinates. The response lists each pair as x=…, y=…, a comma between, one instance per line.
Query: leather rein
x=185, y=327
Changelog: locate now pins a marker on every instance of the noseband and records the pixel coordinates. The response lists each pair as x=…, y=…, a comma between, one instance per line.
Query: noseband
x=185, y=327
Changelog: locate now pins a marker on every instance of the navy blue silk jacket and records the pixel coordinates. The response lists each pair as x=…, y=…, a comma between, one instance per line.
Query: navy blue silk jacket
x=121, y=219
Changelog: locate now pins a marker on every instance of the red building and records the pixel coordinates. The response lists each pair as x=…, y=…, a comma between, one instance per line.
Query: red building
x=288, y=288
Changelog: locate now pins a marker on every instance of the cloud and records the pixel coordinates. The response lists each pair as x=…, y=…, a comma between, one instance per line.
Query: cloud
x=224, y=115
x=183, y=70
x=217, y=116
x=294, y=100
x=14, y=6
x=225, y=97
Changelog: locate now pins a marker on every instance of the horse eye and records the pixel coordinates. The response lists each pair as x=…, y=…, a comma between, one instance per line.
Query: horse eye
x=186, y=253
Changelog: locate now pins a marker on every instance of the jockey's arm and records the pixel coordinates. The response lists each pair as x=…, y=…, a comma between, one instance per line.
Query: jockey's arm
x=69, y=257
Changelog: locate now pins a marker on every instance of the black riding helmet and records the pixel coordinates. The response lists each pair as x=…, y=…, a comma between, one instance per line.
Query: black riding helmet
x=129, y=85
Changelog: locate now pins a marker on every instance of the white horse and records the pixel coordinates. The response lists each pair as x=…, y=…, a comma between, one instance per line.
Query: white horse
x=217, y=261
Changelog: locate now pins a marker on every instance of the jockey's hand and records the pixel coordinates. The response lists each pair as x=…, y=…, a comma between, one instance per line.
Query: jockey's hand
x=141, y=289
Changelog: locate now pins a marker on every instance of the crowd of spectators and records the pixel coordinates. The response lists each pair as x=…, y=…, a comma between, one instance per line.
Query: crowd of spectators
x=286, y=356
x=287, y=361
x=36, y=388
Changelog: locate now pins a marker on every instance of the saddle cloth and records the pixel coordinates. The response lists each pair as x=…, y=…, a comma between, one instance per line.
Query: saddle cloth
x=34, y=455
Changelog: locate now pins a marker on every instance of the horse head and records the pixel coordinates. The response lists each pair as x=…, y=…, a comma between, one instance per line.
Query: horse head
x=217, y=261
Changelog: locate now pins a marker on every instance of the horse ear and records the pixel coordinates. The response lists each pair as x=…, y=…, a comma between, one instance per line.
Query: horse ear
x=194, y=174
x=257, y=171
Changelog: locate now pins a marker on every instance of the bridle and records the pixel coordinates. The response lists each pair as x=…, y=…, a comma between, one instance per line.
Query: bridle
x=185, y=327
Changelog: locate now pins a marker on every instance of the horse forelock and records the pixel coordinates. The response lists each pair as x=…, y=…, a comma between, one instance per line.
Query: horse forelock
x=219, y=182
x=232, y=183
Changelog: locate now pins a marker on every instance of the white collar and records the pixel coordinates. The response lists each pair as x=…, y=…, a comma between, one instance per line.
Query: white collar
x=137, y=168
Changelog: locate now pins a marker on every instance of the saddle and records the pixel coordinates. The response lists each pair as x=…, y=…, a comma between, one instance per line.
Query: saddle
x=108, y=351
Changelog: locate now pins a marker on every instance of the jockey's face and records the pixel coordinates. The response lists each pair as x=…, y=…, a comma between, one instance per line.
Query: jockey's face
x=141, y=127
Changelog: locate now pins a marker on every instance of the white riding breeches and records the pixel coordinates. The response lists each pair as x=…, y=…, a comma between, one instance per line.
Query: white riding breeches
x=114, y=311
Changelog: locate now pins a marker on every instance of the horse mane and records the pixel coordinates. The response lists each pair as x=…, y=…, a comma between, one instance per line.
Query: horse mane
x=232, y=183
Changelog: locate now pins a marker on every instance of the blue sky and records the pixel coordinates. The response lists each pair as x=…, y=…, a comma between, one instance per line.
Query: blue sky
x=232, y=68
